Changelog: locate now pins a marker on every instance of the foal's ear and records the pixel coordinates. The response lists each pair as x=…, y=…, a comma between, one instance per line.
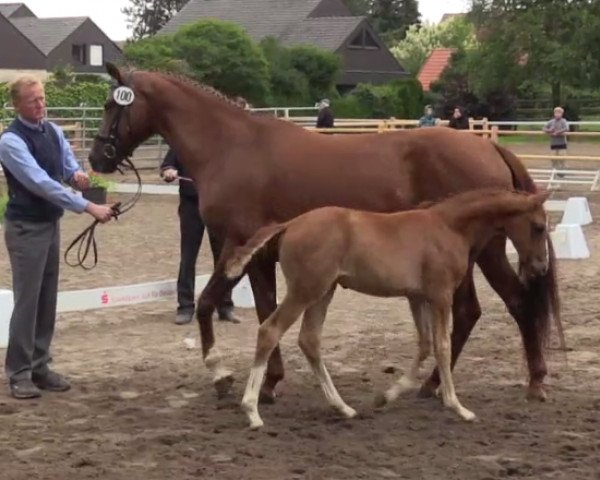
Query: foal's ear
x=114, y=72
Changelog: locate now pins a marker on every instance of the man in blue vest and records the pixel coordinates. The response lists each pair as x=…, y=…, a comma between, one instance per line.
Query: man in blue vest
x=36, y=157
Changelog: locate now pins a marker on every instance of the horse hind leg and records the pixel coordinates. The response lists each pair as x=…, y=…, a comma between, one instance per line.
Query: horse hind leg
x=441, y=347
x=215, y=289
x=310, y=344
x=409, y=381
x=269, y=334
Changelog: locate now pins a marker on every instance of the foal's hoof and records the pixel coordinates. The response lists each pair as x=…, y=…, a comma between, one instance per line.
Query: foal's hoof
x=267, y=396
x=223, y=386
x=536, y=392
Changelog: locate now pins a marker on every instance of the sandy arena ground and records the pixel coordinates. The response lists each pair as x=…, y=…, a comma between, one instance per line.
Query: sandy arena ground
x=142, y=405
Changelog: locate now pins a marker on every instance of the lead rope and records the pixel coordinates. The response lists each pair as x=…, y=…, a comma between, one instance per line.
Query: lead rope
x=87, y=240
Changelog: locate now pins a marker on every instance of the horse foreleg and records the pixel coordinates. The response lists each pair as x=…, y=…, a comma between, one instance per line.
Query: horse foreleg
x=465, y=311
x=216, y=288
x=261, y=272
x=441, y=347
x=503, y=279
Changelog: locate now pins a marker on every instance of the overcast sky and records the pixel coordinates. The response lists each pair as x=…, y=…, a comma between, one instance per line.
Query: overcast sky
x=107, y=13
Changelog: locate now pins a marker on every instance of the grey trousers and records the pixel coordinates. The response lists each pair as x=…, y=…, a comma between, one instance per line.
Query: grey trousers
x=33, y=249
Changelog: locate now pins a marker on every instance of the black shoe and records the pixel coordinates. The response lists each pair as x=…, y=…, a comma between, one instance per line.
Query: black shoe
x=227, y=315
x=183, y=317
x=22, y=389
x=51, y=381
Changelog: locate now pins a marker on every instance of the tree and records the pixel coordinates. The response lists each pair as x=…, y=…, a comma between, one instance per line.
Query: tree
x=222, y=55
x=412, y=52
x=551, y=42
x=155, y=53
x=147, y=17
x=392, y=18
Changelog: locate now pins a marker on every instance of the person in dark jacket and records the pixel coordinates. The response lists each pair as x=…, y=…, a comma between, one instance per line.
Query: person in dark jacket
x=325, y=116
x=191, y=228
x=459, y=120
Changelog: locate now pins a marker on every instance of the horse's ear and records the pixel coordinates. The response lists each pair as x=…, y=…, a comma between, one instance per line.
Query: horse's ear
x=114, y=72
x=541, y=197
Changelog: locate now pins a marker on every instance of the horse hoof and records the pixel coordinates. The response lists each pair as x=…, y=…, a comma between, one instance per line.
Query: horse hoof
x=267, y=397
x=348, y=412
x=380, y=400
x=256, y=425
x=223, y=386
x=536, y=393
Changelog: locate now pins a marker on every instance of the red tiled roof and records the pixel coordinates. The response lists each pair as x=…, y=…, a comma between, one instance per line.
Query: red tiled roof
x=433, y=67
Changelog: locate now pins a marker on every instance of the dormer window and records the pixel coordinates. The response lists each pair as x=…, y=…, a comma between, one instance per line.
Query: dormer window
x=78, y=53
x=364, y=39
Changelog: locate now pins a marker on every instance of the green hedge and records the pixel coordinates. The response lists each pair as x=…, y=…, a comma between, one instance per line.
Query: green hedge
x=3, y=203
x=400, y=99
x=93, y=94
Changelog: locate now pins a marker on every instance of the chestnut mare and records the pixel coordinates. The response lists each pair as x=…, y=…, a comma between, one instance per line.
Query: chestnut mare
x=251, y=171
x=420, y=254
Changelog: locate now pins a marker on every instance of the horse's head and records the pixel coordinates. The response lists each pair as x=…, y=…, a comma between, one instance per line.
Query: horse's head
x=529, y=234
x=125, y=123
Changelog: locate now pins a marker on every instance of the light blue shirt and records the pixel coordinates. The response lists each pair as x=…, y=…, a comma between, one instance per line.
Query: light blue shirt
x=16, y=158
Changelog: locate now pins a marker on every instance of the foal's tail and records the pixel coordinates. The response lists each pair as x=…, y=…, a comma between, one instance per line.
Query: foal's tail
x=542, y=301
x=242, y=255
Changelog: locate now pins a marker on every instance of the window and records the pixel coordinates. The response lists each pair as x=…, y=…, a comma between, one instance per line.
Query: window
x=78, y=53
x=96, y=55
x=364, y=39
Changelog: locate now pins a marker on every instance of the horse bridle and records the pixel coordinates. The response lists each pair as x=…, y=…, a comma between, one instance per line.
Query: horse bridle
x=112, y=146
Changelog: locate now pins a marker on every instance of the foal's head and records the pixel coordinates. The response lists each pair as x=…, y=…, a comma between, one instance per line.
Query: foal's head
x=126, y=123
x=528, y=231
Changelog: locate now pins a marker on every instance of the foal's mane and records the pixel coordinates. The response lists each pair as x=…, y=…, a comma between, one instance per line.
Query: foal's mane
x=490, y=202
x=469, y=196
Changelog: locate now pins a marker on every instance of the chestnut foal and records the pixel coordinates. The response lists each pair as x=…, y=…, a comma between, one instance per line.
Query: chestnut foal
x=421, y=254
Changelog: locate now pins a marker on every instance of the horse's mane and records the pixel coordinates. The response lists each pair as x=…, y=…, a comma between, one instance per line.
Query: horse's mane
x=239, y=101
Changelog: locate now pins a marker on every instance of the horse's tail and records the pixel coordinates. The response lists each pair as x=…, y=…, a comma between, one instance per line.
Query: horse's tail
x=242, y=255
x=542, y=301
x=521, y=178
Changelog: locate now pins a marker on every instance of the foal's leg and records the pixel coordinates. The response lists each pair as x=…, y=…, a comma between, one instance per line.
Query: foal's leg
x=441, y=347
x=215, y=289
x=310, y=343
x=409, y=381
x=465, y=311
x=261, y=273
x=269, y=334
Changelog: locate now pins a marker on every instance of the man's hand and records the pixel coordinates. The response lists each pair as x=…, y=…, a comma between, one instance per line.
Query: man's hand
x=80, y=181
x=170, y=174
x=102, y=213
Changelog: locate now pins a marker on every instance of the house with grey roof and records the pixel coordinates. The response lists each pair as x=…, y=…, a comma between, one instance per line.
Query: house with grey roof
x=15, y=10
x=74, y=41
x=18, y=53
x=327, y=24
